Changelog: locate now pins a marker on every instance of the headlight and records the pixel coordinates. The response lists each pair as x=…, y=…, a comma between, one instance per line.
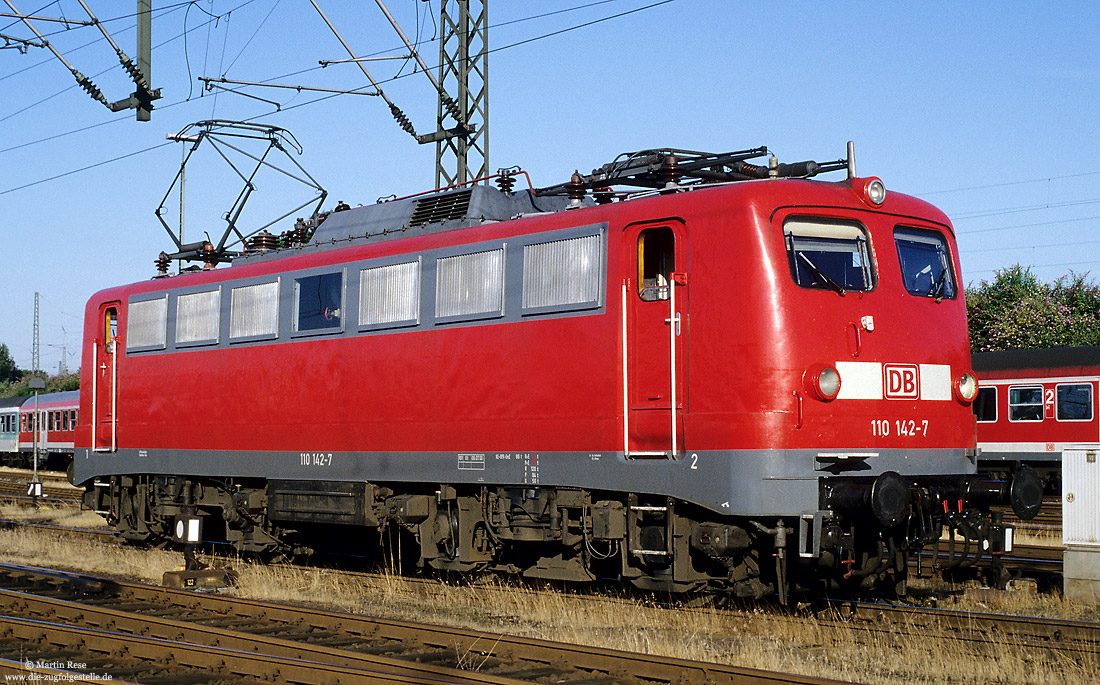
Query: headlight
x=966, y=387
x=823, y=381
x=876, y=192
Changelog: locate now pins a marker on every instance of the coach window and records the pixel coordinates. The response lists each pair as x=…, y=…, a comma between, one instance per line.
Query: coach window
x=925, y=263
x=1074, y=401
x=656, y=262
x=1025, y=403
x=985, y=405
x=318, y=302
x=828, y=254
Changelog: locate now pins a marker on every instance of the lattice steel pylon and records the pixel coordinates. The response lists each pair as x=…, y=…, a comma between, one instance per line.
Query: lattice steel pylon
x=464, y=78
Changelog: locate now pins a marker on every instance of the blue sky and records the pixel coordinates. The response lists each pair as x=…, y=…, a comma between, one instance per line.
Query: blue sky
x=989, y=110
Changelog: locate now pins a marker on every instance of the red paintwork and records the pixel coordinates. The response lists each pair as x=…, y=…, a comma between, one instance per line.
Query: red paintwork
x=556, y=384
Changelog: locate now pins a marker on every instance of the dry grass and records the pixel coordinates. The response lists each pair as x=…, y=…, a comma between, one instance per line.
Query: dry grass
x=750, y=637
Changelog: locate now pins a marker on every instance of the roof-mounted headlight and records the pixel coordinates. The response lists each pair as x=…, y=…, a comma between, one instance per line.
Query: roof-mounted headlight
x=876, y=192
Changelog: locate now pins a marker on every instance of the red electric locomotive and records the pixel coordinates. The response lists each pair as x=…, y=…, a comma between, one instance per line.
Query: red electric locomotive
x=732, y=378
x=1032, y=404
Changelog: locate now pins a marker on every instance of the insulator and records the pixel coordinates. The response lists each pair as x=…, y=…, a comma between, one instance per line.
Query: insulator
x=133, y=71
x=669, y=173
x=752, y=170
x=295, y=236
x=87, y=85
x=452, y=108
x=575, y=188
x=402, y=120
x=506, y=181
x=209, y=256
x=262, y=242
x=162, y=263
x=603, y=195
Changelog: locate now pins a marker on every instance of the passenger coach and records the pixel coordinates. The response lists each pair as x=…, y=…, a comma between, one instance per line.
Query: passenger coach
x=1033, y=404
x=736, y=379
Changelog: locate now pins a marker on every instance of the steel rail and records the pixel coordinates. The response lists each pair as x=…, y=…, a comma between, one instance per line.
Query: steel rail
x=1059, y=635
x=138, y=657
x=49, y=492
x=501, y=657
x=104, y=618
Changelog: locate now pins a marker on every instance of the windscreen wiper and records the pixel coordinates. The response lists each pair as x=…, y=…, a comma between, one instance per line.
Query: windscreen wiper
x=938, y=288
x=822, y=277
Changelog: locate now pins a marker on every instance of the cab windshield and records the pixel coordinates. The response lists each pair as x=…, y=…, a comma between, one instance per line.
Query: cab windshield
x=828, y=255
x=925, y=263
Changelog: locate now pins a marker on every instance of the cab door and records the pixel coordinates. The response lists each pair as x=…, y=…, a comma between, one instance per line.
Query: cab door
x=105, y=380
x=655, y=305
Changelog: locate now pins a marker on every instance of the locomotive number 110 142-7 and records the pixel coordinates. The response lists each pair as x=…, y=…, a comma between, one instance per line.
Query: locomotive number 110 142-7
x=881, y=428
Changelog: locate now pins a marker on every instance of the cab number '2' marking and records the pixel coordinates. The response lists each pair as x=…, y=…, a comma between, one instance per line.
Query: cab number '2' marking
x=315, y=458
x=904, y=427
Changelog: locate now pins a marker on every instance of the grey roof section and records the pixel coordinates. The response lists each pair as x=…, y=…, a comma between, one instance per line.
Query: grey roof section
x=395, y=218
x=1050, y=358
x=44, y=397
x=7, y=402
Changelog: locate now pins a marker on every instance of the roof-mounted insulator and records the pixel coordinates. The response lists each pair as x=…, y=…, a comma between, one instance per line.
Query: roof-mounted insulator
x=668, y=175
x=773, y=166
x=752, y=170
x=604, y=195
x=162, y=263
x=263, y=241
x=574, y=190
x=505, y=181
x=209, y=255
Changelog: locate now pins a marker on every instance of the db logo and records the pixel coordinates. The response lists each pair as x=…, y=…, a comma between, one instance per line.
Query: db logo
x=901, y=381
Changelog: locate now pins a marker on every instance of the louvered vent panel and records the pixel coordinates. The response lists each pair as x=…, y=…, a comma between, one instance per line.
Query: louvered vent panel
x=440, y=208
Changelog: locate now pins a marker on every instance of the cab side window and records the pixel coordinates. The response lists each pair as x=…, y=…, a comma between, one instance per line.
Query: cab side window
x=656, y=262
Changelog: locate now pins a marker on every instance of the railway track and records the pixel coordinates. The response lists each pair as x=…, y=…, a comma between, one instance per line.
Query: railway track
x=14, y=486
x=228, y=637
x=982, y=632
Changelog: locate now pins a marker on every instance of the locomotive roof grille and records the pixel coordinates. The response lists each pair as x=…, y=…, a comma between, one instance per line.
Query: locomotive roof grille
x=439, y=208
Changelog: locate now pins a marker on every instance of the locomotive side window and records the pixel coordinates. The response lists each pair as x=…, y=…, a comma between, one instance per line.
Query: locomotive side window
x=1074, y=401
x=146, y=324
x=827, y=254
x=656, y=262
x=470, y=285
x=925, y=263
x=390, y=295
x=1025, y=403
x=198, y=317
x=318, y=302
x=985, y=405
x=562, y=273
x=254, y=311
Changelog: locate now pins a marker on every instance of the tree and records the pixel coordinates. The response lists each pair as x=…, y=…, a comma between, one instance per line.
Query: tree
x=1017, y=310
x=8, y=370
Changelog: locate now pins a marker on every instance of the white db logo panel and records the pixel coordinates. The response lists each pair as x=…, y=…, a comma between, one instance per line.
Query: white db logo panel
x=901, y=381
